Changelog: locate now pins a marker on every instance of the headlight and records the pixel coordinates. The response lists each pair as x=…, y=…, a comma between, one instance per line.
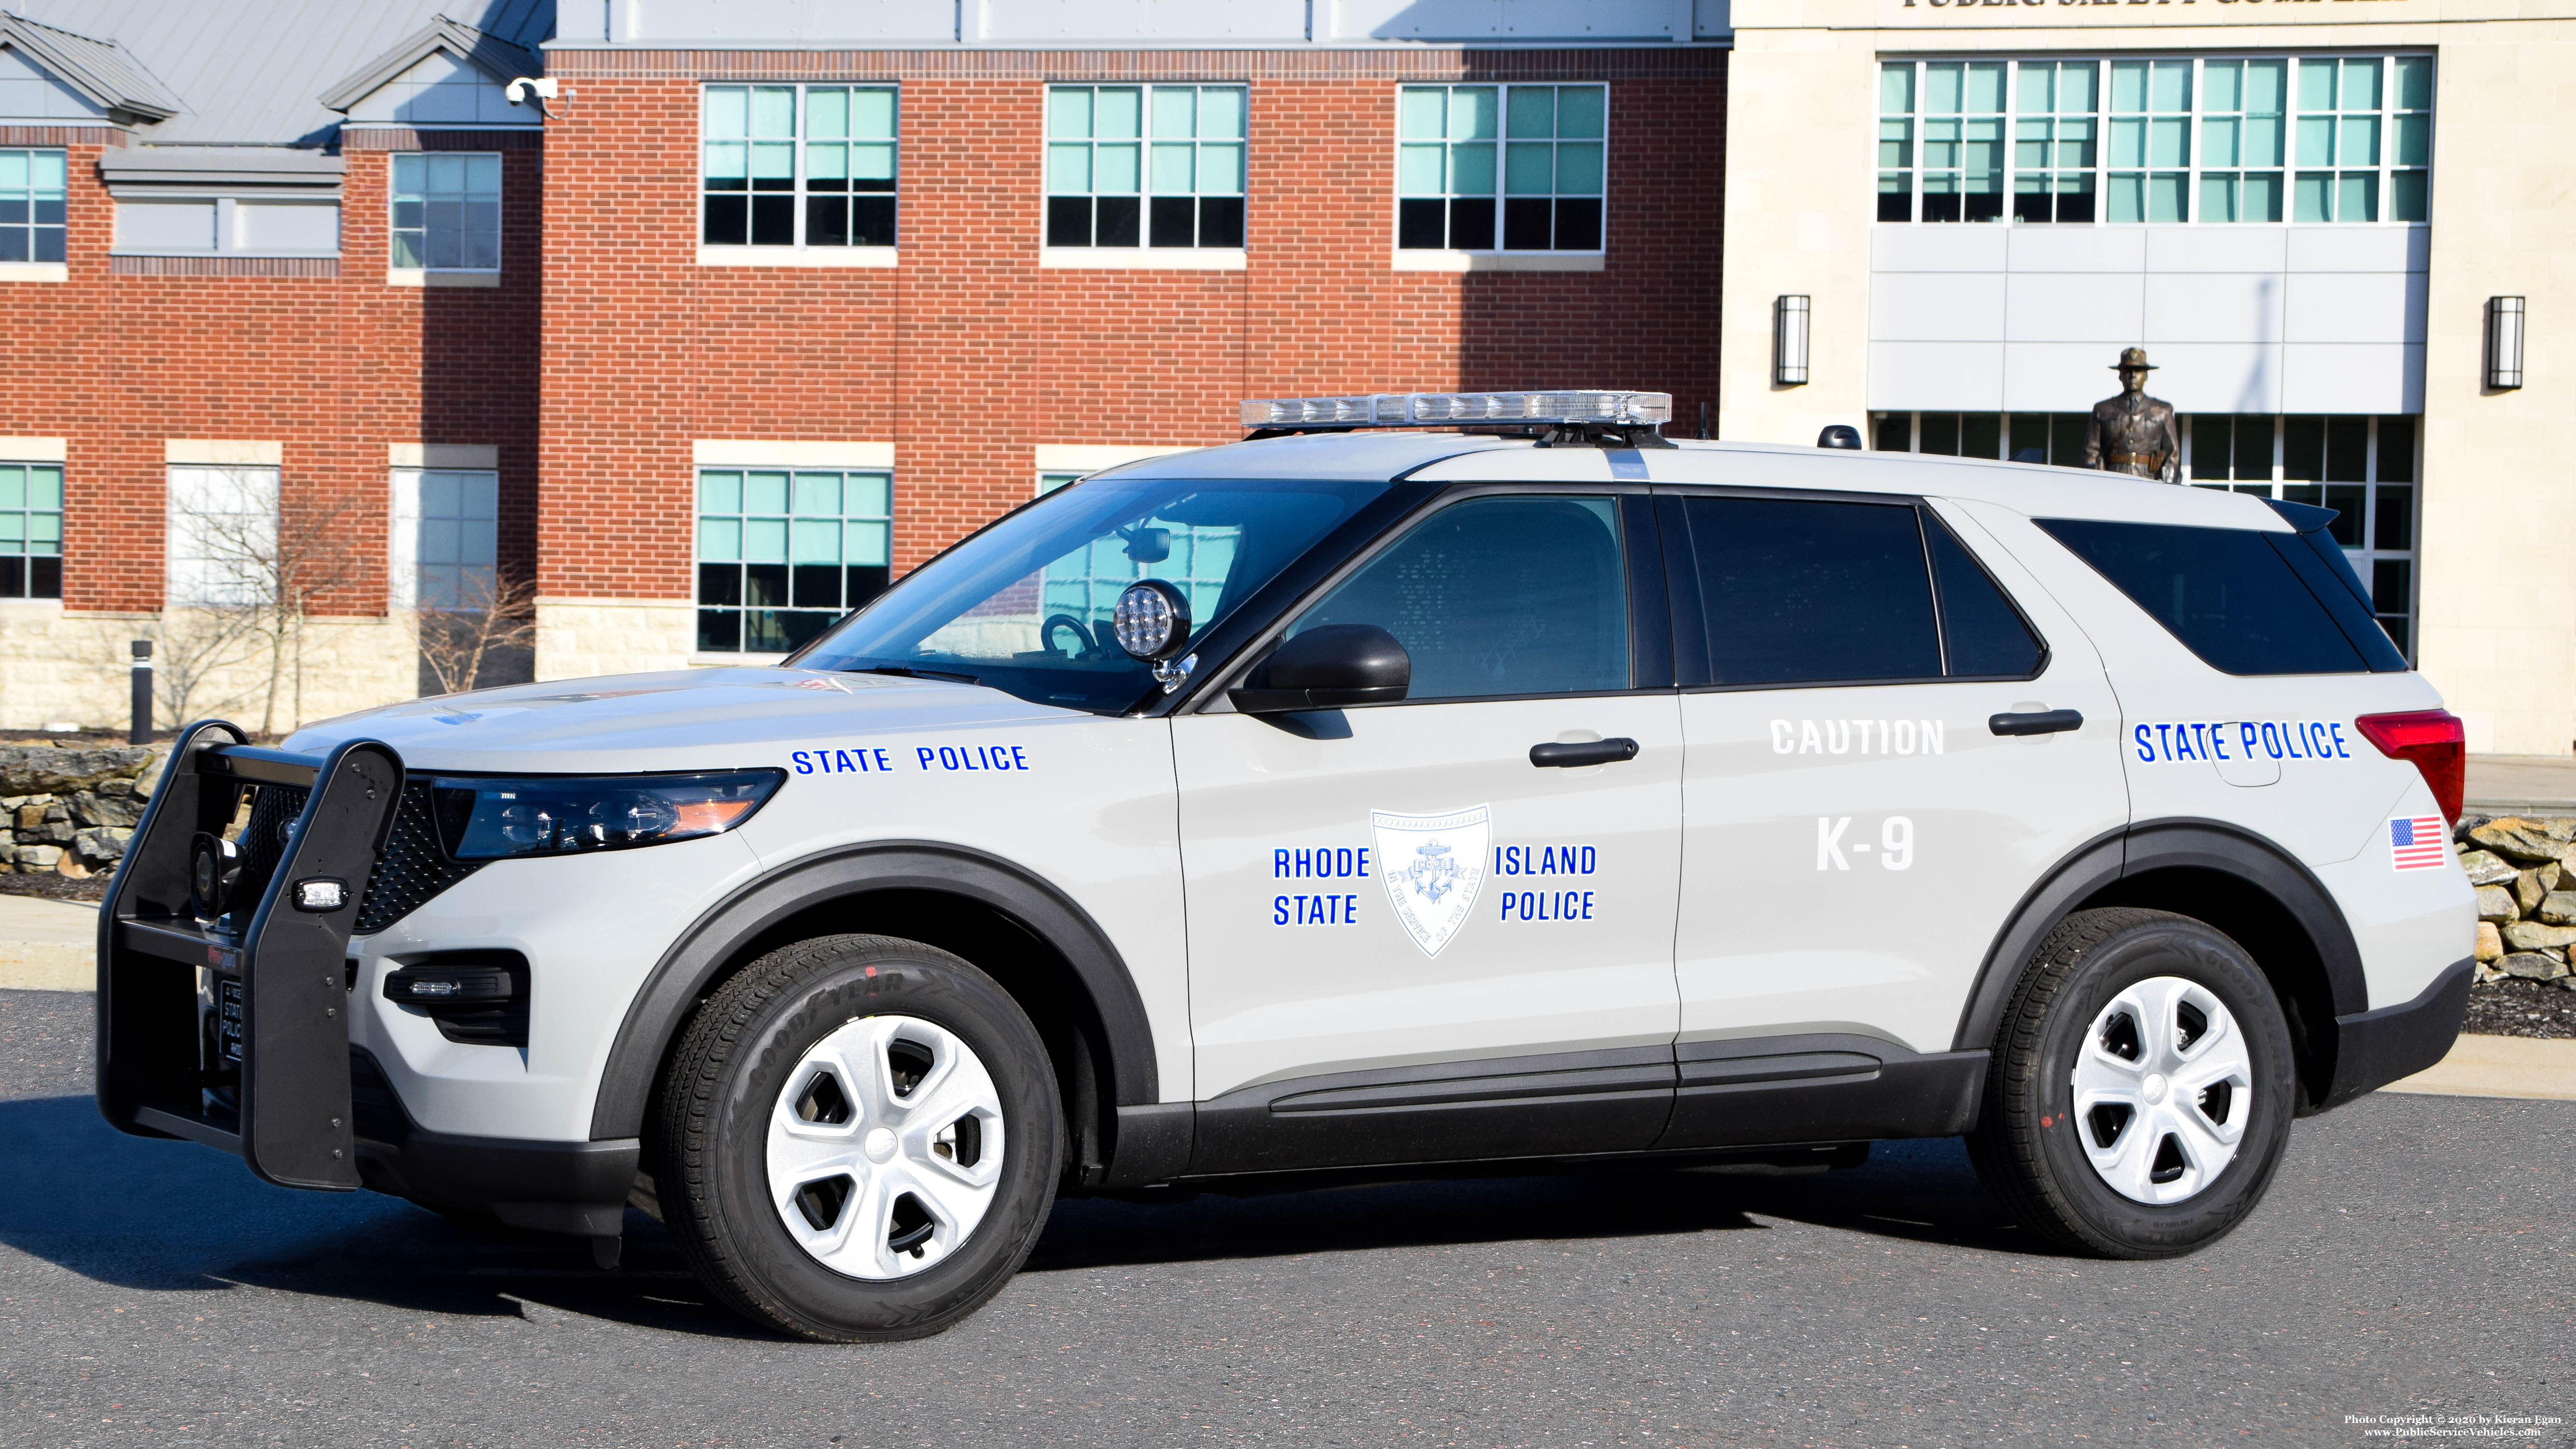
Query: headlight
x=498, y=818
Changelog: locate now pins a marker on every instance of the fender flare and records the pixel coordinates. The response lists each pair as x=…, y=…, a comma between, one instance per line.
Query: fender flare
x=2157, y=845
x=672, y=990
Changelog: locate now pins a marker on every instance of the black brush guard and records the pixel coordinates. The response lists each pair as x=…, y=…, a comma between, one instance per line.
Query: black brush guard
x=231, y=1028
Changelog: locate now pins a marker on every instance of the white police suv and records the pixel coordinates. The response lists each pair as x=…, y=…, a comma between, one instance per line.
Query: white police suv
x=1505, y=786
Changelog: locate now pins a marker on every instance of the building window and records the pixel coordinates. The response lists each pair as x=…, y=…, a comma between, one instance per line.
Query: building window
x=205, y=226
x=2053, y=141
x=2056, y=438
x=31, y=206
x=451, y=520
x=31, y=530
x=447, y=211
x=1153, y=166
x=781, y=554
x=1500, y=168
x=788, y=166
x=2242, y=126
x=223, y=549
x=1050, y=481
x=2157, y=140
x=2364, y=468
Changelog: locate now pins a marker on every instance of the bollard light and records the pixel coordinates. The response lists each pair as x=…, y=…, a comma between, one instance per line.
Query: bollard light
x=1789, y=341
x=141, y=731
x=2504, y=343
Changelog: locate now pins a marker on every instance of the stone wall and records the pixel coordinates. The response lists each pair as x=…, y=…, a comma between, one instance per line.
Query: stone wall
x=2526, y=921
x=70, y=810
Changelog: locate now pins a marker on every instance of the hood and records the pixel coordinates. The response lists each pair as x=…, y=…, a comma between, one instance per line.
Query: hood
x=686, y=719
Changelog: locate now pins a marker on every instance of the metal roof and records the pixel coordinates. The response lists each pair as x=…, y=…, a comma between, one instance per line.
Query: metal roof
x=496, y=57
x=252, y=72
x=98, y=69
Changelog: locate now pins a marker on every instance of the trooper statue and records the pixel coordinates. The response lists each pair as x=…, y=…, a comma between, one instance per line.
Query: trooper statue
x=2134, y=433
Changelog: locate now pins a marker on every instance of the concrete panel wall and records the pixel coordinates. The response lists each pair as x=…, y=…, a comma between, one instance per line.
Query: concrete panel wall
x=2222, y=311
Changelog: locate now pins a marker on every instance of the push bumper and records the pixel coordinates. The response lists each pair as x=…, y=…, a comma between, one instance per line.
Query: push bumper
x=2374, y=1048
x=222, y=977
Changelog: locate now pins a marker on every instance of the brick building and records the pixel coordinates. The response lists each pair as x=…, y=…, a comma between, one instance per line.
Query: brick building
x=776, y=300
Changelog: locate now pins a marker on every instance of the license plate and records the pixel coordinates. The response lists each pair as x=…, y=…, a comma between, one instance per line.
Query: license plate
x=228, y=1018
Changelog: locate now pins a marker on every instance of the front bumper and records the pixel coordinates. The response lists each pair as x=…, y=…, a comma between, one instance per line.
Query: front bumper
x=555, y=1187
x=2374, y=1048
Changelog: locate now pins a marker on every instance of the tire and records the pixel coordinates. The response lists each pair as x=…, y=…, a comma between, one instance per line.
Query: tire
x=2097, y=1130
x=899, y=1209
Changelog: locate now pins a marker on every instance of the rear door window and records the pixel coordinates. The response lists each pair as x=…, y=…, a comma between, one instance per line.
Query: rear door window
x=1813, y=591
x=2238, y=598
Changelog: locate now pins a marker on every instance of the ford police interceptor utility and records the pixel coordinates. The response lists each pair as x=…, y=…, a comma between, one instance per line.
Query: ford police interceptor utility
x=1354, y=797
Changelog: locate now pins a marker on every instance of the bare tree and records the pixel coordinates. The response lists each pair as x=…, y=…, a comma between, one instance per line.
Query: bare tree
x=492, y=620
x=245, y=555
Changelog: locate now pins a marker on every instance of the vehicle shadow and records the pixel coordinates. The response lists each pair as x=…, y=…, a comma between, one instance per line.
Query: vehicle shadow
x=176, y=1217
x=1923, y=1191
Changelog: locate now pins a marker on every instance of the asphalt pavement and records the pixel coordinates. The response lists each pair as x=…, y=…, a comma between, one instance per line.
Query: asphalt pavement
x=2417, y=1256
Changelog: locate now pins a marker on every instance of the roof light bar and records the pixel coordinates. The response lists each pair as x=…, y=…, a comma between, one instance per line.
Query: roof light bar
x=1448, y=409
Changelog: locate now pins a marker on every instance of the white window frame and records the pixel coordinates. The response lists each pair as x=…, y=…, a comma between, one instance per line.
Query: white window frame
x=397, y=275
x=403, y=550
x=800, y=253
x=14, y=454
x=1145, y=254
x=197, y=575
x=227, y=224
x=2103, y=167
x=1497, y=258
x=28, y=268
x=869, y=460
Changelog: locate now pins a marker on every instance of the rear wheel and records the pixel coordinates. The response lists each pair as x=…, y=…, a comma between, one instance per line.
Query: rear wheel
x=2140, y=1092
x=859, y=1139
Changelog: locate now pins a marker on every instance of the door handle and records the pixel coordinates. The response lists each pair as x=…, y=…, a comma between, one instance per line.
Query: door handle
x=2037, y=722
x=1556, y=756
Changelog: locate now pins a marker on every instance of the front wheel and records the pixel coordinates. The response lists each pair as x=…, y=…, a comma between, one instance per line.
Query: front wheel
x=859, y=1139
x=2140, y=1091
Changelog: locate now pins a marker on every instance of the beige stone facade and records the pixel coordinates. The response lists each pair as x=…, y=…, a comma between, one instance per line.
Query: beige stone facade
x=71, y=668
x=582, y=638
x=2497, y=516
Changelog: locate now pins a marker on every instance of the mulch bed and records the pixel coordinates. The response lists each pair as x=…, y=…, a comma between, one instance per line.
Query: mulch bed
x=2514, y=1007
x=54, y=887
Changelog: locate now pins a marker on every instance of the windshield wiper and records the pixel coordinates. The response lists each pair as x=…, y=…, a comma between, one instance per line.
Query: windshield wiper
x=901, y=671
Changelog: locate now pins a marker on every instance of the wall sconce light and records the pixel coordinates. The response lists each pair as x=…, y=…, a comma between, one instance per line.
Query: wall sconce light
x=2504, y=342
x=1789, y=341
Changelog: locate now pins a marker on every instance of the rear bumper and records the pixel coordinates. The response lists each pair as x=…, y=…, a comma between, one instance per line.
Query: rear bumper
x=2374, y=1048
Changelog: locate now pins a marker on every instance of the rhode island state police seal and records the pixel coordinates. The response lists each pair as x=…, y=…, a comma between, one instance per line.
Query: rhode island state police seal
x=1433, y=866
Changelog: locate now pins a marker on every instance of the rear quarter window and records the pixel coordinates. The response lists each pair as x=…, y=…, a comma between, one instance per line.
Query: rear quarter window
x=2236, y=597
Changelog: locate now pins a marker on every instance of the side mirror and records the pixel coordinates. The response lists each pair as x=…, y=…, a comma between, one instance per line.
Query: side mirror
x=1327, y=668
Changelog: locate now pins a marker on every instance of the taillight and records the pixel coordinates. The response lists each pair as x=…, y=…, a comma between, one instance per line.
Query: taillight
x=2434, y=742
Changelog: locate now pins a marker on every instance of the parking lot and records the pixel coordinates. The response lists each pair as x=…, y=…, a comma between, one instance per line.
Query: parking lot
x=2415, y=1256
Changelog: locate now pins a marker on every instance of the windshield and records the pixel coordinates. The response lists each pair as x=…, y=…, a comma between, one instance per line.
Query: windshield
x=1025, y=605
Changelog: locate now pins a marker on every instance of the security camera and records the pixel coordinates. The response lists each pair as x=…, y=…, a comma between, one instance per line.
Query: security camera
x=518, y=91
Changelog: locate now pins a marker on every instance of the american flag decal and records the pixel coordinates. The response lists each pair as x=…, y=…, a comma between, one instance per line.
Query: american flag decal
x=2415, y=842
